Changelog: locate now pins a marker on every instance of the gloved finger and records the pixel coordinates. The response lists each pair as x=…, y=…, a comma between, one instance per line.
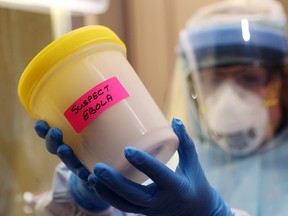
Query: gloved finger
x=66, y=154
x=130, y=191
x=188, y=158
x=110, y=196
x=41, y=127
x=153, y=168
x=53, y=140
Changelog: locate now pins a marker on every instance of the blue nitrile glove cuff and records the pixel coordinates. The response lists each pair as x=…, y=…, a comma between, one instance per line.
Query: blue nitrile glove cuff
x=85, y=197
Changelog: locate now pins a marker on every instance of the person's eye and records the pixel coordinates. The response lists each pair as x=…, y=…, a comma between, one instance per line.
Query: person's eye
x=250, y=79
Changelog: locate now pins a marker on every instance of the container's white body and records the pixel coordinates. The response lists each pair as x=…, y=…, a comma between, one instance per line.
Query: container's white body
x=135, y=121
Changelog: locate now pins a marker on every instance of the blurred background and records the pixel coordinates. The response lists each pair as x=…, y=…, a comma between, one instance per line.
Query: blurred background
x=148, y=28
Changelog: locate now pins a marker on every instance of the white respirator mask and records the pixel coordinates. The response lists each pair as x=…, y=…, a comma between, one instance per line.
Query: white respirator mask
x=236, y=118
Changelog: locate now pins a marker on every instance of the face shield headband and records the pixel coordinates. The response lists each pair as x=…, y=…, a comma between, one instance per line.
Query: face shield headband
x=220, y=46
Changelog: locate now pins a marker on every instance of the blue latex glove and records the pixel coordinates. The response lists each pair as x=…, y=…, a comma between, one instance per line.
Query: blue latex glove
x=80, y=190
x=184, y=193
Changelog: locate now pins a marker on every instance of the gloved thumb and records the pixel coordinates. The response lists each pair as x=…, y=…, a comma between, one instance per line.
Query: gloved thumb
x=188, y=158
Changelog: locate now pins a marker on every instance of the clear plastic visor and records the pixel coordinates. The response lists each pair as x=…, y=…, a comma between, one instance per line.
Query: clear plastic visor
x=236, y=80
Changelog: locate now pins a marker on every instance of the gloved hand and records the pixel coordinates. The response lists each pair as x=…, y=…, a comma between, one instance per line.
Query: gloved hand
x=184, y=193
x=80, y=190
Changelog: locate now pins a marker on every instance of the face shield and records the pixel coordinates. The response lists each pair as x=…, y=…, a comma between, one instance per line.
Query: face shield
x=236, y=69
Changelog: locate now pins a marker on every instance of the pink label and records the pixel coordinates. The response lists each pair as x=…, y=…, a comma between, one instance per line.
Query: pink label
x=94, y=102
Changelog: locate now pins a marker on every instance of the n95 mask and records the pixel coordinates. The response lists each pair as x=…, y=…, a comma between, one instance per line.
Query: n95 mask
x=236, y=119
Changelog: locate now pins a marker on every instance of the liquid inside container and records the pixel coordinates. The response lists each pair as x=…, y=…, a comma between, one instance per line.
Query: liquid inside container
x=134, y=120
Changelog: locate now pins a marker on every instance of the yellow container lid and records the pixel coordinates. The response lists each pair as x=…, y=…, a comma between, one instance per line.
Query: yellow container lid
x=56, y=51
